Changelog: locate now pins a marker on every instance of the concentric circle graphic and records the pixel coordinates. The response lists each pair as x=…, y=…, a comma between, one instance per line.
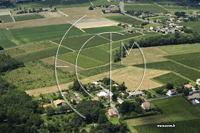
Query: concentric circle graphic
x=122, y=45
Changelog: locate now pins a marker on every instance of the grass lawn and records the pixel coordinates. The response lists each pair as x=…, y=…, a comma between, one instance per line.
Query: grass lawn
x=177, y=109
x=6, y=18
x=151, y=25
x=189, y=126
x=125, y=19
x=28, y=17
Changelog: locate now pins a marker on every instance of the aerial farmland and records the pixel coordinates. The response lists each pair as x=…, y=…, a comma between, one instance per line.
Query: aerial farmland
x=99, y=66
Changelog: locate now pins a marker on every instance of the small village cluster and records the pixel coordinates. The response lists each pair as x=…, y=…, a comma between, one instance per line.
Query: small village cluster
x=193, y=96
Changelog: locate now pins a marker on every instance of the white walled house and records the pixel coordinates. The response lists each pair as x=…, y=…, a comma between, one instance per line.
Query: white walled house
x=170, y=92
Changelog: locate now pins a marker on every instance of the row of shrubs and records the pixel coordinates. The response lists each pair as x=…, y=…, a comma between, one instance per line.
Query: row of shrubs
x=31, y=11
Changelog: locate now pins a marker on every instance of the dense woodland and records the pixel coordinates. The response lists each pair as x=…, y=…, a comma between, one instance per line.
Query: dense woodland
x=8, y=63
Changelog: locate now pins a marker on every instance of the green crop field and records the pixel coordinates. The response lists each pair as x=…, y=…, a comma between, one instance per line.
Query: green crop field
x=171, y=66
x=57, y=3
x=171, y=78
x=145, y=7
x=35, y=34
x=36, y=75
x=83, y=61
x=106, y=47
x=77, y=42
x=189, y=126
x=28, y=48
x=6, y=18
x=103, y=29
x=41, y=54
x=177, y=109
x=99, y=70
x=97, y=54
x=28, y=17
x=117, y=37
x=5, y=39
x=125, y=19
x=190, y=59
x=103, y=2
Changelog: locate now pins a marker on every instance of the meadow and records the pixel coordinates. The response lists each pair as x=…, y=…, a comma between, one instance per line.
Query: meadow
x=145, y=7
x=13, y=52
x=99, y=70
x=171, y=78
x=181, y=48
x=35, y=34
x=41, y=54
x=96, y=54
x=83, y=61
x=189, y=59
x=125, y=19
x=28, y=17
x=171, y=66
x=77, y=42
x=6, y=18
x=36, y=75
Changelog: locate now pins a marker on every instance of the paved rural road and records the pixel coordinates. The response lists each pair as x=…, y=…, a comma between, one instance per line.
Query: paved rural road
x=113, y=106
x=162, y=98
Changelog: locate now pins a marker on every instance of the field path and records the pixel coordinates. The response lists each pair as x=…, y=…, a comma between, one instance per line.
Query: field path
x=91, y=3
x=62, y=45
x=12, y=17
x=161, y=6
x=63, y=13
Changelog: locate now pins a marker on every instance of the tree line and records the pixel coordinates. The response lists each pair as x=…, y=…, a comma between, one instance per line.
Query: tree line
x=8, y=63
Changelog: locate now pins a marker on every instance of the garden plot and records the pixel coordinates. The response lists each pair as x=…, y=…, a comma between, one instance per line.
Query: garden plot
x=91, y=23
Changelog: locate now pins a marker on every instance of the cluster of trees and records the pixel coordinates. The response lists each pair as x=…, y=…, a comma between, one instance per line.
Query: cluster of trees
x=6, y=3
x=18, y=108
x=1, y=48
x=118, y=54
x=33, y=10
x=8, y=63
x=138, y=13
x=180, y=14
x=133, y=108
x=169, y=39
x=93, y=111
